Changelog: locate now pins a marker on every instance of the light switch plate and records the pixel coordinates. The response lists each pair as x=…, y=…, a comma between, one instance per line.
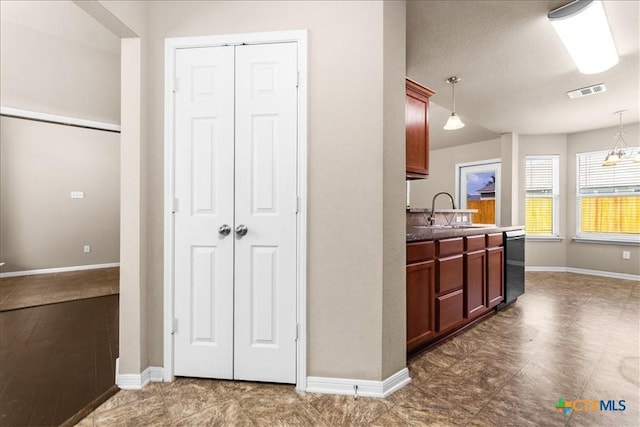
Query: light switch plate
x=77, y=194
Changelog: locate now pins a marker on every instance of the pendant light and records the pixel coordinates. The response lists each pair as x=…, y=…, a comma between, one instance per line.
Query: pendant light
x=454, y=121
x=620, y=149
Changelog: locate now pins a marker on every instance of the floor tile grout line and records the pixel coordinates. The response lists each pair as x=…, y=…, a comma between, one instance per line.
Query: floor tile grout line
x=502, y=387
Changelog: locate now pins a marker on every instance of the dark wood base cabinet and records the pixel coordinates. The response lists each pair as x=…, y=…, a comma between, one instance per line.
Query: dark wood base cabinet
x=420, y=279
x=421, y=273
x=449, y=310
x=475, y=283
x=451, y=283
x=495, y=276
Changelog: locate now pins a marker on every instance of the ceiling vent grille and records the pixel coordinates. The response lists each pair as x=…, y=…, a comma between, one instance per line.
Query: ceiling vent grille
x=586, y=91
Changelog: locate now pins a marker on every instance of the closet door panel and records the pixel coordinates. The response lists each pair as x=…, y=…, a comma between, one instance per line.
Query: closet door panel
x=265, y=197
x=204, y=132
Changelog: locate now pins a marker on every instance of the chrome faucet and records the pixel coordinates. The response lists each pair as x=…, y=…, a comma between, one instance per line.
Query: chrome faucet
x=432, y=218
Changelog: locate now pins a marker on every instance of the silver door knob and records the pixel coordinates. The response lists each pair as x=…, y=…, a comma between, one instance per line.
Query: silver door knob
x=224, y=230
x=241, y=230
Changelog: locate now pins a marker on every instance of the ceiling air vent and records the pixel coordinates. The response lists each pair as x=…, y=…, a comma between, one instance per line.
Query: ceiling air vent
x=585, y=91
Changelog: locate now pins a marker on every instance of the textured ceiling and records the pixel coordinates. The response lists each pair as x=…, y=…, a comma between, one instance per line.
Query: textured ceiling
x=515, y=71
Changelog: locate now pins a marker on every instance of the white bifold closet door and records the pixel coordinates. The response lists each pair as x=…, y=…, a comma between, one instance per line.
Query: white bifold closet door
x=235, y=165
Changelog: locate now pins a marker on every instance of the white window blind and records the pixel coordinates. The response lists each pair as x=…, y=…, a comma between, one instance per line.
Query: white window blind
x=595, y=178
x=542, y=195
x=539, y=175
x=608, y=198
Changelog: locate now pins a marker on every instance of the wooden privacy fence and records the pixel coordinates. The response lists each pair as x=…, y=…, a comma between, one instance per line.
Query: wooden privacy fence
x=486, y=211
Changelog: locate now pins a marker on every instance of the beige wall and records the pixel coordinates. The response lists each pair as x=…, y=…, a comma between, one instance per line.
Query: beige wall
x=40, y=225
x=394, y=241
x=548, y=253
x=348, y=172
x=561, y=253
x=509, y=148
x=442, y=169
x=605, y=257
x=57, y=60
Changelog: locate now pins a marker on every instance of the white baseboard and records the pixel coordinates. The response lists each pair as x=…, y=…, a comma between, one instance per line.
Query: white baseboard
x=138, y=381
x=600, y=273
x=366, y=388
x=58, y=269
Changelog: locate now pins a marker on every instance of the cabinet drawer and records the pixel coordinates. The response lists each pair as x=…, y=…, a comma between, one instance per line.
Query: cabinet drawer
x=449, y=274
x=494, y=239
x=448, y=247
x=420, y=251
x=474, y=243
x=449, y=310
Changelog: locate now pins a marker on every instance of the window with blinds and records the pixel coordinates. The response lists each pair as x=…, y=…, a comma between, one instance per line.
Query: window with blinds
x=608, y=198
x=542, y=183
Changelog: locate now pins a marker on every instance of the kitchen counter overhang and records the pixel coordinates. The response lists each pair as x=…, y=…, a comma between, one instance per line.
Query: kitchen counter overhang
x=420, y=233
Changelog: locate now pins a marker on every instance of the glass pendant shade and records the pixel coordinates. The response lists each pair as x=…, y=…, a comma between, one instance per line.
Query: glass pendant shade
x=611, y=159
x=453, y=123
x=620, y=150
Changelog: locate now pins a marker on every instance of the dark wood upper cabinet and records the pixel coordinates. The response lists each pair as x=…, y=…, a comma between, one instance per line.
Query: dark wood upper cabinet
x=417, y=128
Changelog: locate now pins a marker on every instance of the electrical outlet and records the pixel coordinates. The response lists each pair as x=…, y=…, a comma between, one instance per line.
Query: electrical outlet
x=87, y=249
x=626, y=255
x=77, y=194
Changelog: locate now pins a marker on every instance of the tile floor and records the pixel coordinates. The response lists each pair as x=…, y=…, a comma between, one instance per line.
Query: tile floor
x=569, y=336
x=55, y=359
x=39, y=289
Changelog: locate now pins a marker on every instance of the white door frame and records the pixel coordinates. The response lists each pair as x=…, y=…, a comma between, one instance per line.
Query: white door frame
x=171, y=45
x=460, y=193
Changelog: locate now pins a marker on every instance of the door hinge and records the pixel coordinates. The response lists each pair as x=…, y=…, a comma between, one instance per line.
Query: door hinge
x=297, y=331
x=298, y=79
x=174, y=326
x=176, y=85
x=297, y=204
x=175, y=206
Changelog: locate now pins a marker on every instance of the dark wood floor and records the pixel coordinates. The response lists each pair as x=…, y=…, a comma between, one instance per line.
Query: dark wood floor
x=41, y=289
x=56, y=359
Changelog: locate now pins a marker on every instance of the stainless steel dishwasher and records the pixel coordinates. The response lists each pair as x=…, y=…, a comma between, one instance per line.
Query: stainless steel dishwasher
x=513, y=266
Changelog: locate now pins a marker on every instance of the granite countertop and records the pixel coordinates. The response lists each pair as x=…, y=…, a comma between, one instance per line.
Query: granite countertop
x=438, y=210
x=415, y=234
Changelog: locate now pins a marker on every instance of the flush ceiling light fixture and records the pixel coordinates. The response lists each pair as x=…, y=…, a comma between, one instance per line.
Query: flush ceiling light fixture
x=620, y=150
x=583, y=28
x=454, y=121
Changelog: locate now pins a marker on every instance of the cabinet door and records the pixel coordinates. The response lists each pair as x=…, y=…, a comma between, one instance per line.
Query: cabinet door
x=495, y=276
x=417, y=129
x=449, y=310
x=474, y=283
x=420, y=314
x=450, y=274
